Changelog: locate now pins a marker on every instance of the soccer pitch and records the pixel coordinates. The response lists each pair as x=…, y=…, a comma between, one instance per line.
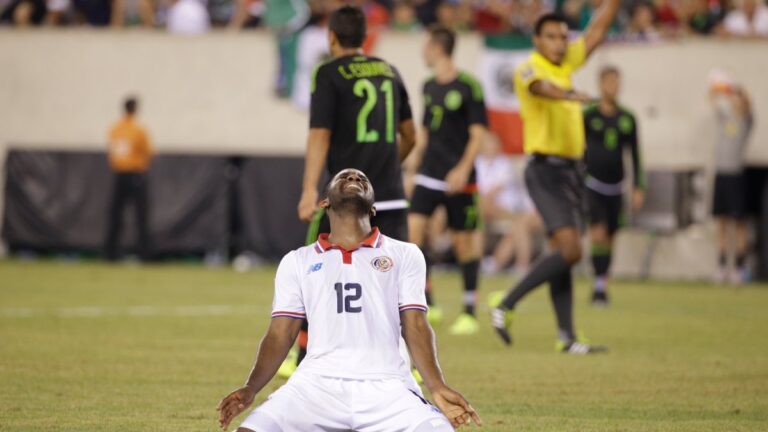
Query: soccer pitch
x=91, y=347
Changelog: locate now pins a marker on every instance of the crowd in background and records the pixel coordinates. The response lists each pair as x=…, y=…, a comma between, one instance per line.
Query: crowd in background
x=640, y=20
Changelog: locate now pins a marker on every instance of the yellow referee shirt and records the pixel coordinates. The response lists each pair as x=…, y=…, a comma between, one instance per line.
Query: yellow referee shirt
x=553, y=127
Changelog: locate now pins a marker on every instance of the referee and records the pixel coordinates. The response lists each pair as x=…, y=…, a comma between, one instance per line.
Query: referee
x=554, y=139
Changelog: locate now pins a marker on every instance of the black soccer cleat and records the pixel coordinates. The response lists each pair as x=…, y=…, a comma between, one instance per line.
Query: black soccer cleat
x=500, y=320
x=599, y=299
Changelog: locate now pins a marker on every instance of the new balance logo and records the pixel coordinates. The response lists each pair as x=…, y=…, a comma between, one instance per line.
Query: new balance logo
x=314, y=267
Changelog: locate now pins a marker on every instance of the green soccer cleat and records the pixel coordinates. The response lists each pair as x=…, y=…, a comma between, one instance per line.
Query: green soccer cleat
x=435, y=315
x=495, y=298
x=289, y=366
x=465, y=324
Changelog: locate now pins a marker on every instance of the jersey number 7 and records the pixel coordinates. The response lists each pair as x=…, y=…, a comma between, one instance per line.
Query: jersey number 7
x=344, y=300
x=365, y=88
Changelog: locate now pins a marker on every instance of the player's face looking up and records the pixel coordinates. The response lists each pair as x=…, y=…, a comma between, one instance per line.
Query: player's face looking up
x=350, y=191
x=609, y=85
x=552, y=41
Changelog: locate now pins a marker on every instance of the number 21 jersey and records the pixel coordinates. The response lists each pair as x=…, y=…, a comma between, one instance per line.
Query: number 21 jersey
x=362, y=100
x=353, y=300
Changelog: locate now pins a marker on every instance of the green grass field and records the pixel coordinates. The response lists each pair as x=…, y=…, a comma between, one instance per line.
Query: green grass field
x=89, y=347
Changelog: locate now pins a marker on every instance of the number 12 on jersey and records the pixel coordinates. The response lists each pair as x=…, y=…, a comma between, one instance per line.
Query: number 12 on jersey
x=365, y=88
x=344, y=298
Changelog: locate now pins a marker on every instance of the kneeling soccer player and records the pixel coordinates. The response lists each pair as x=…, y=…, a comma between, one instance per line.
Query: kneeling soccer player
x=360, y=289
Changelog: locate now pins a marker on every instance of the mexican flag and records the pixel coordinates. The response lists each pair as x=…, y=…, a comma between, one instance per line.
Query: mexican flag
x=502, y=53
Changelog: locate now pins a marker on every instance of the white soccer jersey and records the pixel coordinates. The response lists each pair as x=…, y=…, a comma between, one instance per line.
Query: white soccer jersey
x=352, y=300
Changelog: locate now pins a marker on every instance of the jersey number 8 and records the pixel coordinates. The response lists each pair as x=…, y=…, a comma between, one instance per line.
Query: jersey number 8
x=344, y=302
x=365, y=88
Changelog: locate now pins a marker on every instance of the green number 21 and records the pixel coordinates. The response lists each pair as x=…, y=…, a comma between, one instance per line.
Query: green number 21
x=365, y=88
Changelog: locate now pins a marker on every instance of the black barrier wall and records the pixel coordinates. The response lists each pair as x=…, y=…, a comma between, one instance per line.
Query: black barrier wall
x=58, y=202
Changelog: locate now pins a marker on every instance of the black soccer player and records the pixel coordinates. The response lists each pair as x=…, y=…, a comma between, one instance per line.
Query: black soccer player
x=553, y=128
x=360, y=117
x=453, y=129
x=611, y=130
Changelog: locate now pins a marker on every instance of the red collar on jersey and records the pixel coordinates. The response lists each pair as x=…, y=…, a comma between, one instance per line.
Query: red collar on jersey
x=323, y=245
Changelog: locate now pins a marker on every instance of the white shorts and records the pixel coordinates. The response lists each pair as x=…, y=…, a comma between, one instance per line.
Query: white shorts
x=310, y=403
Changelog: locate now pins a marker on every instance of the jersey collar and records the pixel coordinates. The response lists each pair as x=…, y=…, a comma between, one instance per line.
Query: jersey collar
x=373, y=241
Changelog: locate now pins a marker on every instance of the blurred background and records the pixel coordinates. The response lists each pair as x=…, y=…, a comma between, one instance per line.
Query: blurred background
x=222, y=88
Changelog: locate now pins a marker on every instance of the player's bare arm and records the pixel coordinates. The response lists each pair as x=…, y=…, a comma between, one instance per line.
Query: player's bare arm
x=413, y=161
x=546, y=89
x=318, y=143
x=273, y=349
x=457, y=178
x=598, y=27
x=407, y=131
x=420, y=340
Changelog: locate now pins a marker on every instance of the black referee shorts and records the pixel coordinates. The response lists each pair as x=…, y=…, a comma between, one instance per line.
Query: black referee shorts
x=463, y=209
x=391, y=223
x=556, y=187
x=605, y=210
x=730, y=196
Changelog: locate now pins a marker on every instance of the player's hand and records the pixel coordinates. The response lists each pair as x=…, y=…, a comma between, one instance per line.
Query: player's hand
x=453, y=405
x=308, y=205
x=456, y=180
x=638, y=199
x=234, y=404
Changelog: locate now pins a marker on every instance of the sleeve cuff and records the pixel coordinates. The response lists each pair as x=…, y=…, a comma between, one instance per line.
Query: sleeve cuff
x=419, y=307
x=288, y=314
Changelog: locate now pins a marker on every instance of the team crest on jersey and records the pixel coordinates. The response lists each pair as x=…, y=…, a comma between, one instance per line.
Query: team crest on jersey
x=382, y=263
x=314, y=267
x=453, y=100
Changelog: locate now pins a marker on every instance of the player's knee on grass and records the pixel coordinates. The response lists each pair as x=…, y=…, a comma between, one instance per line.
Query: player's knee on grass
x=435, y=425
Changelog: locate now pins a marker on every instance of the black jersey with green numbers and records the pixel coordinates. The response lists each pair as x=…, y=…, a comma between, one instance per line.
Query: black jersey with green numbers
x=608, y=137
x=362, y=100
x=449, y=110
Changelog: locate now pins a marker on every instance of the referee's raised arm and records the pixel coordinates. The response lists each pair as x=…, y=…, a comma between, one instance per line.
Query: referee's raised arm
x=600, y=24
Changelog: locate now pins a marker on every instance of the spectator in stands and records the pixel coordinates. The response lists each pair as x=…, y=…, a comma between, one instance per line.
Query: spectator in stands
x=131, y=12
x=56, y=10
x=750, y=18
x=703, y=20
x=188, y=17
x=504, y=201
x=642, y=25
x=130, y=154
x=667, y=14
x=426, y=11
x=404, y=17
x=23, y=13
x=97, y=13
x=734, y=124
x=247, y=14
